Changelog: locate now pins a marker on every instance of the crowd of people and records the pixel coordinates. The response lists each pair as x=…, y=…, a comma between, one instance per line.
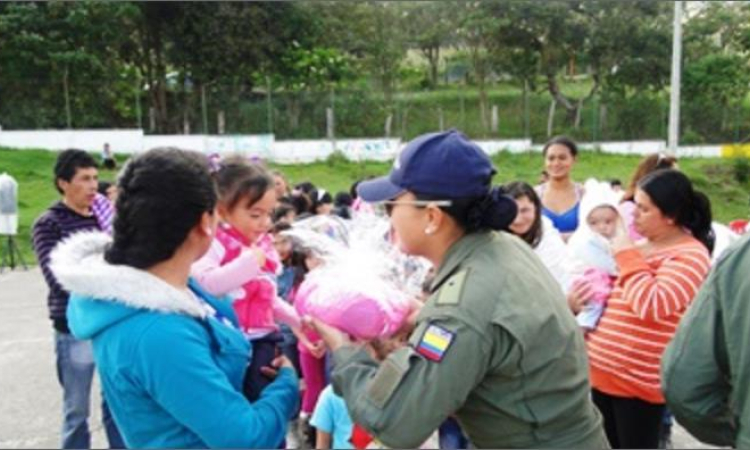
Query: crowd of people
x=212, y=298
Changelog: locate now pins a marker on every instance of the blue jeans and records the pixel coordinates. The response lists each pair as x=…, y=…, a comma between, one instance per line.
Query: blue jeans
x=75, y=372
x=450, y=435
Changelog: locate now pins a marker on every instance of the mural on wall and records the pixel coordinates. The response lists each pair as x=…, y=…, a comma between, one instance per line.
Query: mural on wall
x=253, y=146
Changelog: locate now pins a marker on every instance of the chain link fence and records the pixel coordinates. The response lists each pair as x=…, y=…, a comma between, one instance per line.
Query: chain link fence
x=336, y=114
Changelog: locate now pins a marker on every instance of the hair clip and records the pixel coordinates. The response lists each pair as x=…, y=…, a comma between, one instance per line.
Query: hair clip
x=214, y=162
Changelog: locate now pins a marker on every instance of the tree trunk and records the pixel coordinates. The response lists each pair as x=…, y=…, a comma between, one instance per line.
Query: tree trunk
x=572, y=65
x=571, y=106
x=480, y=73
x=162, y=118
x=432, y=53
x=579, y=108
x=66, y=92
x=551, y=118
x=434, y=67
x=526, y=119
x=483, y=107
x=294, y=110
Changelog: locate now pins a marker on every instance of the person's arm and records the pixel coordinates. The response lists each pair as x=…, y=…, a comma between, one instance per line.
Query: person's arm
x=219, y=280
x=322, y=440
x=657, y=294
x=178, y=370
x=406, y=398
x=45, y=237
x=696, y=375
x=285, y=312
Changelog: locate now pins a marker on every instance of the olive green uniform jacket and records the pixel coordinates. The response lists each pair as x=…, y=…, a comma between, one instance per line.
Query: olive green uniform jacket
x=706, y=367
x=514, y=372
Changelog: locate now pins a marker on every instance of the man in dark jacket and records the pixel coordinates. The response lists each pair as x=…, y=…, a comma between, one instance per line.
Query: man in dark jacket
x=76, y=180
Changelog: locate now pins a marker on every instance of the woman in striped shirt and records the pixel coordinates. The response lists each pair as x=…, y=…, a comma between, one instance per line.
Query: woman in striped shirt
x=659, y=276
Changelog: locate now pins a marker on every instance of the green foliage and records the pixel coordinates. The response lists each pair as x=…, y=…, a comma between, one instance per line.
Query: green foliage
x=741, y=167
x=337, y=158
x=724, y=79
x=108, y=64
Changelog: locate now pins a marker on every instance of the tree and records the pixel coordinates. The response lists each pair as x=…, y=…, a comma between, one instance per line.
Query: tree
x=373, y=33
x=475, y=30
x=301, y=69
x=57, y=61
x=430, y=28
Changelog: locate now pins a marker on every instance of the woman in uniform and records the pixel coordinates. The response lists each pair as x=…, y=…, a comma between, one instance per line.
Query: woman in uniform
x=495, y=344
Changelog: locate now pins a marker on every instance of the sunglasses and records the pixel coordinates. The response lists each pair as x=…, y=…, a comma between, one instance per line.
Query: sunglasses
x=389, y=204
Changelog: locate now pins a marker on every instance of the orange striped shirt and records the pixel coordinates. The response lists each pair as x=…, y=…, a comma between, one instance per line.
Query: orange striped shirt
x=641, y=317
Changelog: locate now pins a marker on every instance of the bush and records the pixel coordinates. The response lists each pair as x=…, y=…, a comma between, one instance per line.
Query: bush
x=337, y=158
x=741, y=169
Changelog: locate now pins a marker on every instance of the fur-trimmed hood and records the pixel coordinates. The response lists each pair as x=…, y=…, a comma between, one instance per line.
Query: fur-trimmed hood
x=103, y=294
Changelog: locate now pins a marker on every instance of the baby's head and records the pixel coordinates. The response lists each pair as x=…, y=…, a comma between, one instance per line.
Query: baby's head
x=603, y=220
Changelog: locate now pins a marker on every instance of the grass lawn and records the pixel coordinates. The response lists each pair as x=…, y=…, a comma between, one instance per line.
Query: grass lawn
x=33, y=171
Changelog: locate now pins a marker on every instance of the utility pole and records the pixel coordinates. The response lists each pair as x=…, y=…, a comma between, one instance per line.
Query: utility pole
x=674, y=94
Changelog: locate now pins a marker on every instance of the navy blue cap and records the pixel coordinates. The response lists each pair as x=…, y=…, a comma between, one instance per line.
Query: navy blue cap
x=445, y=164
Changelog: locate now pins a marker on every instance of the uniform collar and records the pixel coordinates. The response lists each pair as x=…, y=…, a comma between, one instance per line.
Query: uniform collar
x=458, y=253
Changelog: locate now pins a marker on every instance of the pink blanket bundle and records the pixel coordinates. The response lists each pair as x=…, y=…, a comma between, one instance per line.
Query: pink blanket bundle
x=365, y=309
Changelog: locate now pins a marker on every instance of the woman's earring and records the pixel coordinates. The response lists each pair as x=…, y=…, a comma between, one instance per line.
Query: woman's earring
x=429, y=230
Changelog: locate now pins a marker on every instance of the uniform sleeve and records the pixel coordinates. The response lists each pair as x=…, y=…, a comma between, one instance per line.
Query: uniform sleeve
x=695, y=373
x=658, y=294
x=219, y=280
x=405, y=398
x=179, y=373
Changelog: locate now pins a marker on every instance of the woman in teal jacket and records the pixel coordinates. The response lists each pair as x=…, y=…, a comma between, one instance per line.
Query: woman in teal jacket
x=170, y=357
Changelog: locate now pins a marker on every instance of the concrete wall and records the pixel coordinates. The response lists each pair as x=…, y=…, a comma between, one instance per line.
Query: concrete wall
x=304, y=151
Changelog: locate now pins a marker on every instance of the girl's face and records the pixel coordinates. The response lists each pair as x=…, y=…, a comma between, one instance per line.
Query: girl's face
x=283, y=246
x=280, y=185
x=324, y=209
x=252, y=220
x=525, y=217
x=603, y=220
x=312, y=262
x=558, y=161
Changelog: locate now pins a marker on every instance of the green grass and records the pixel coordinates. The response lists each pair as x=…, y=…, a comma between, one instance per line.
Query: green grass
x=714, y=176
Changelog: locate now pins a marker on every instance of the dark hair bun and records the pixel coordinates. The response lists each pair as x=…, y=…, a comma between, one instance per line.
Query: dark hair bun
x=163, y=195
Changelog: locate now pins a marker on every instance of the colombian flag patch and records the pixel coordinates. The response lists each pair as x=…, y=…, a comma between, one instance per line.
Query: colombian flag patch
x=435, y=343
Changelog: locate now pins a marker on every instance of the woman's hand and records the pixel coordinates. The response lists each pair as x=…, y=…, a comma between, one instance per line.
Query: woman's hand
x=273, y=370
x=333, y=337
x=317, y=349
x=579, y=295
x=415, y=307
x=621, y=240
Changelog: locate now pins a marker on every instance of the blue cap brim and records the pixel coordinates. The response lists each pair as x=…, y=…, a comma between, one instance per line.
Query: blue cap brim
x=378, y=190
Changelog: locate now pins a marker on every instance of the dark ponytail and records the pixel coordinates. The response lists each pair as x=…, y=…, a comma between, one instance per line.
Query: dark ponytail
x=492, y=211
x=700, y=220
x=163, y=194
x=672, y=192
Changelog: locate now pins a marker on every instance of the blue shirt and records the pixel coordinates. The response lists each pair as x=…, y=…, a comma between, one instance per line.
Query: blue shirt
x=331, y=416
x=566, y=222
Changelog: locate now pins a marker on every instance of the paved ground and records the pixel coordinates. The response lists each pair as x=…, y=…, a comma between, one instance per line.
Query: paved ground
x=30, y=409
